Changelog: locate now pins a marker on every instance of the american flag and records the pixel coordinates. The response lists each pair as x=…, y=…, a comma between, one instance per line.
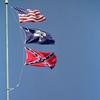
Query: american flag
x=30, y=15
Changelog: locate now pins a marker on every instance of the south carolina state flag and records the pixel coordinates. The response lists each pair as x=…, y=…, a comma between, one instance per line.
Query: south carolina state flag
x=37, y=36
x=40, y=59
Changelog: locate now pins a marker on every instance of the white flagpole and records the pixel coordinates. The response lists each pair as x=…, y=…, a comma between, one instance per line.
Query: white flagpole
x=7, y=56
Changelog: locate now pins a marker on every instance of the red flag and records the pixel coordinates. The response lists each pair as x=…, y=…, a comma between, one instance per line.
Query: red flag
x=40, y=59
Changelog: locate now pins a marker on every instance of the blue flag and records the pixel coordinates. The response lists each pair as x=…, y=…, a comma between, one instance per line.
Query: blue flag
x=37, y=36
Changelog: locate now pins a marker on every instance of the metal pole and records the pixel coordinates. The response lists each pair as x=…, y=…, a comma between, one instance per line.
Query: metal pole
x=7, y=56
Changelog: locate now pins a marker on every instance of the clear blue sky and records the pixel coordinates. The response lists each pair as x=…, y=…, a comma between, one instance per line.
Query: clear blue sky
x=75, y=25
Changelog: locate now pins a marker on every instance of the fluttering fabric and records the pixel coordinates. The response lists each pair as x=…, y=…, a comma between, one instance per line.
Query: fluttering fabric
x=40, y=59
x=29, y=15
x=37, y=36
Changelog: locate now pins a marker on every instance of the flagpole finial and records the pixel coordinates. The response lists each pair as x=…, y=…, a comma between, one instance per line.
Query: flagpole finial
x=6, y=1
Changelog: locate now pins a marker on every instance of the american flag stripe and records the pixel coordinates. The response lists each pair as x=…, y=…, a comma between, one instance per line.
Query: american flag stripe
x=32, y=16
x=34, y=11
x=24, y=19
x=27, y=20
x=41, y=18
